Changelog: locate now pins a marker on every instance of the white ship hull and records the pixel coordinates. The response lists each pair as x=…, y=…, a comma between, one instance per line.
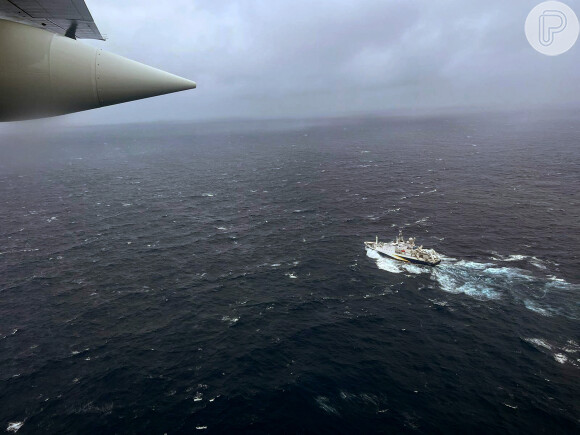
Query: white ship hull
x=395, y=252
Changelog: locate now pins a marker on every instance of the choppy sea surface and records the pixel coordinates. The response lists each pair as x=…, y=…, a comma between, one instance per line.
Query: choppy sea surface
x=212, y=278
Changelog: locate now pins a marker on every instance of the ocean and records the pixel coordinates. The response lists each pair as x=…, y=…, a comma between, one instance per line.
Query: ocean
x=212, y=277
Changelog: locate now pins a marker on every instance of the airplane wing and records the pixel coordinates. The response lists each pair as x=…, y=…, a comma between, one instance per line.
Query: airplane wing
x=65, y=17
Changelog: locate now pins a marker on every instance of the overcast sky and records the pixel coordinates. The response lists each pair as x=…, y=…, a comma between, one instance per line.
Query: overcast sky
x=302, y=58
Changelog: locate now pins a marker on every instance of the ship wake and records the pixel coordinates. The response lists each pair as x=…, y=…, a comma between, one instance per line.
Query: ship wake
x=544, y=295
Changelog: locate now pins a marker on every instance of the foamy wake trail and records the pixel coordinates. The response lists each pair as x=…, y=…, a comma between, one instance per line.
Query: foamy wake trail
x=468, y=277
x=485, y=281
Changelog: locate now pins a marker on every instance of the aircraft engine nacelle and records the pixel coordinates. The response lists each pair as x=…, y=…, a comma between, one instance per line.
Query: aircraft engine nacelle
x=45, y=74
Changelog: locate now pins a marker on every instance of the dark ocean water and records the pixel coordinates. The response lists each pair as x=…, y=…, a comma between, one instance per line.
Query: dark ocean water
x=213, y=279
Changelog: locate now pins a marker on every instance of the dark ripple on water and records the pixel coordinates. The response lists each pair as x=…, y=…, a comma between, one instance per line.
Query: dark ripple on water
x=213, y=278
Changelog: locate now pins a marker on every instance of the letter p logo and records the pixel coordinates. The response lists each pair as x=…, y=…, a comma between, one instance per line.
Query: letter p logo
x=551, y=22
x=552, y=28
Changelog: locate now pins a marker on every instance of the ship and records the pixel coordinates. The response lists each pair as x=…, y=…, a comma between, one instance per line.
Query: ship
x=405, y=250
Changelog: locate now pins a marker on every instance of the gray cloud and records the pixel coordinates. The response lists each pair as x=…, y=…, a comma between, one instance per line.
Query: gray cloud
x=259, y=58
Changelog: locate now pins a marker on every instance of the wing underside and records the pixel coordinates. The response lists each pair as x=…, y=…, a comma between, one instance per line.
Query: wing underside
x=57, y=16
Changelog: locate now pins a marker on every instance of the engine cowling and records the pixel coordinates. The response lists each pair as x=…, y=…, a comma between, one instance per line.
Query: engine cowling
x=43, y=74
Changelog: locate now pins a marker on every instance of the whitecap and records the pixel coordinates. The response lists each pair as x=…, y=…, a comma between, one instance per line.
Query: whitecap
x=560, y=357
x=538, y=263
x=534, y=261
x=231, y=320
x=571, y=347
x=439, y=303
x=555, y=350
x=207, y=194
x=539, y=342
x=14, y=426
x=531, y=305
x=514, y=257
x=324, y=403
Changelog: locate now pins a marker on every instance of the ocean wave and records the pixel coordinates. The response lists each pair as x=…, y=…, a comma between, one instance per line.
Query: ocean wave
x=230, y=320
x=14, y=426
x=532, y=306
x=324, y=403
x=534, y=261
x=422, y=220
x=561, y=352
x=508, y=258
